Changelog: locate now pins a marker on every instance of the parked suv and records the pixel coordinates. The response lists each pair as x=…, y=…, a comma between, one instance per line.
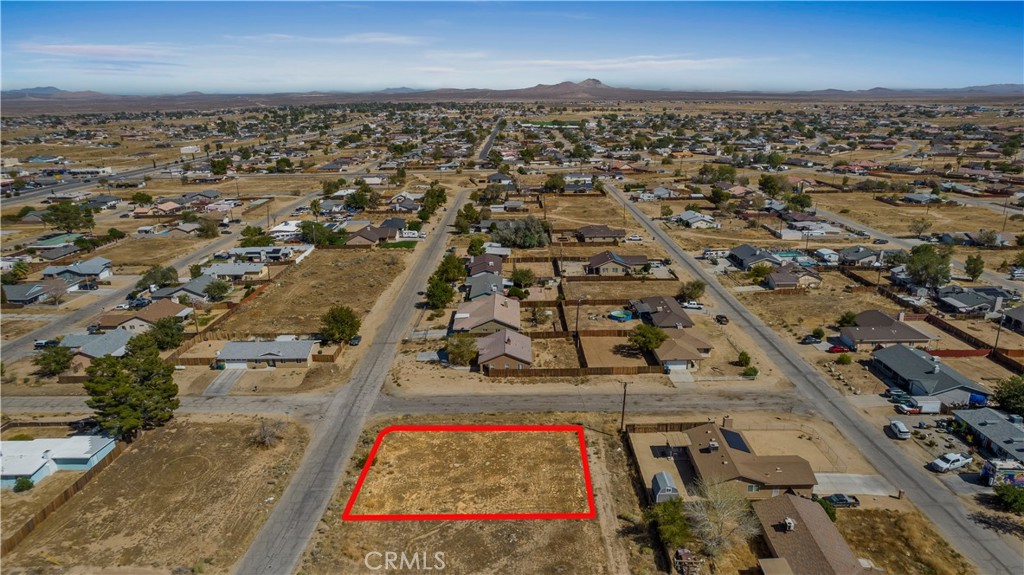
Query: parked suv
x=45, y=343
x=899, y=429
x=721, y=319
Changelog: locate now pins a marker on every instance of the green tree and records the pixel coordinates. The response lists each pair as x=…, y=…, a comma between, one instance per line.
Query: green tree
x=926, y=266
x=919, y=226
x=439, y=292
x=132, y=392
x=523, y=277
x=759, y=272
x=167, y=333
x=848, y=319
x=647, y=337
x=217, y=289
x=743, y=360
x=68, y=217
x=207, y=229
x=673, y=529
x=1011, y=497
x=219, y=167
x=476, y=246
x=451, y=269
x=116, y=234
x=974, y=265
x=159, y=276
x=691, y=290
x=830, y=509
x=554, y=183
x=461, y=349
x=666, y=210
x=818, y=333
x=194, y=271
x=339, y=324
x=1009, y=394
x=53, y=360
x=142, y=198
x=256, y=241
x=1018, y=260
x=771, y=185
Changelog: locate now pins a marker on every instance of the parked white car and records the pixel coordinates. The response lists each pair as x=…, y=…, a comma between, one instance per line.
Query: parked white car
x=635, y=238
x=951, y=461
x=693, y=305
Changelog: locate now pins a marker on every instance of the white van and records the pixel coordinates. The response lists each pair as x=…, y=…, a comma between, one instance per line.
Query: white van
x=899, y=429
x=410, y=234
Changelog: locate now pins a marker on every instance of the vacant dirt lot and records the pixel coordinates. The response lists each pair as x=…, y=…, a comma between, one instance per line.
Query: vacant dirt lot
x=568, y=212
x=871, y=533
x=17, y=508
x=554, y=353
x=896, y=219
x=618, y=290
x=301, y=295
x=611, y=352
x=13, y=328
x=191, y=494
x=483, y=473
x=150, y=251
x=615, y=543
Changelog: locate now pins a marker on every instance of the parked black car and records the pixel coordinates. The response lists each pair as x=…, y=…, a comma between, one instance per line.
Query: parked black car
x=810, y=339
x=721, y=319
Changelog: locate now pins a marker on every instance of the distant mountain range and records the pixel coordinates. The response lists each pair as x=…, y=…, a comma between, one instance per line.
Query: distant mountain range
x=54, y=100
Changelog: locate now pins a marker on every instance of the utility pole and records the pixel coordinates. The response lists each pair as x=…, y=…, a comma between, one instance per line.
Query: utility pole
x=622, y=422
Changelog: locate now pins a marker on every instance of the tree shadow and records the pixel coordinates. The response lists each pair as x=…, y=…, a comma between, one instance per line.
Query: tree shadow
x=627, y=350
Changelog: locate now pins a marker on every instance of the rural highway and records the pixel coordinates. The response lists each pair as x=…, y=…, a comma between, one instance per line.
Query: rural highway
x=992, y=278
x=279, y=545
x=990, y=553
x=17, y=348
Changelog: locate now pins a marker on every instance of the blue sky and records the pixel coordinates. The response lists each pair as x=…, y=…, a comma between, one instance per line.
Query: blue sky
x=175, y=47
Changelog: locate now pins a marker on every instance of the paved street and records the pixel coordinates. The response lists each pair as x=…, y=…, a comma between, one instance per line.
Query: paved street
x=280, y=543
x=982, y=546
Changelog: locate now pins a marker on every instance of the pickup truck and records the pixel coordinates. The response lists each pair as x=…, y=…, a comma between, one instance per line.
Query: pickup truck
x=839, y=500
x=951, y=461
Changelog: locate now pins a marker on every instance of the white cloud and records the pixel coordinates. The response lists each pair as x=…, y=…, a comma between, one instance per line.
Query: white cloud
x=630, y=63
x=360, y=38
x=96, y=50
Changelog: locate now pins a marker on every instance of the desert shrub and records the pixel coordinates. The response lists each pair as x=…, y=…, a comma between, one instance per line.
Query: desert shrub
x=23, y=484
x=844, y=359
x=750, y=371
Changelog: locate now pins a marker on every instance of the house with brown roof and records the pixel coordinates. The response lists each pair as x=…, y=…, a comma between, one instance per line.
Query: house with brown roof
x=661, y=311
x=487, y=314
x=720, y=453
x=608, y=263
x=877, y=328
x=370, y=235
x=599, y=233
x=682, y=350
x=803, y=540
x=142, y=320
x=505, y=349
x=793, y=276
x=483, y=264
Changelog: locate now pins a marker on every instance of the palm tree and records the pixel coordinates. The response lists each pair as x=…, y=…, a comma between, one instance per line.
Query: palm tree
x=314, y=206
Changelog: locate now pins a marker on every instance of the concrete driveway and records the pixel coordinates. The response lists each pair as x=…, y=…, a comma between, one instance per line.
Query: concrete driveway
x=853, y=484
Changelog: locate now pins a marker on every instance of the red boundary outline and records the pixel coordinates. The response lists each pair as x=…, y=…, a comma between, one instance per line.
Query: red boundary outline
x=591, y=513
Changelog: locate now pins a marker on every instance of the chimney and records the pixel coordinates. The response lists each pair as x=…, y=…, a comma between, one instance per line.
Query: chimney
x=727, y=422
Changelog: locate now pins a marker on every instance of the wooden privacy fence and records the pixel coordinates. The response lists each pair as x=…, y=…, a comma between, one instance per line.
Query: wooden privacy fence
x=662, y=427
x=57, y=502
x=617, y=279
x=960, y=352
x=573, y=371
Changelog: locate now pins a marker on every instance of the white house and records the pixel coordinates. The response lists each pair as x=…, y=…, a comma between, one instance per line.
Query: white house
x=39, y=458
x=830, y=257
x=288, y=230
x=692, y=219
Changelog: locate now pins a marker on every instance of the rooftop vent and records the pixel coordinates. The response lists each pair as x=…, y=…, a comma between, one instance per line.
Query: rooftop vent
x=790, y=524
x=713, y=445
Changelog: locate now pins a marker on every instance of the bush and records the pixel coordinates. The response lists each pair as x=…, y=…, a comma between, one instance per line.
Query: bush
x=21, y=437
x=818, y=333
x=830, y=509
x=750, y=371
x=844, y=359
x=23, y=484
x=744, y=359
x=1011, y=497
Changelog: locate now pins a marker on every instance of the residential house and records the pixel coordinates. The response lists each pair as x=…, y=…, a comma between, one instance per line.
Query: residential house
x=682, y=350
x=827, y=256
x=143, y=319
x=80, y=271
x=194, y=289
x=720, y=453
x=483, y=264
x=504, y=349
x=697, y=220
x=877, y=328
x=919, y=373
x=38, y=458
x=496, y=249
x=88, y=347
x=485, y=284
x=246, y=354
x=166, y=208
x=102, y=202
x=609, y=263
x=488, y=314
x=265, y=253
x=660, y=311
x=965, y=300
x=58, y=253
x=183, y=229
x=238, y=271
x=599, y=233
x=286, y=231
x=803, y=540
x=746, y=256
x=1014, y=318
x=370, y=235
x=26, y=293
x=792, y=276
x=51, y=241
x=996, y=431
x=921, y=199
x=859, y=256
x=396, y=223
x=502, y=180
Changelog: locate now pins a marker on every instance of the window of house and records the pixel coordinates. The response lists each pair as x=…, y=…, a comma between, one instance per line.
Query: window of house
x=753, y=488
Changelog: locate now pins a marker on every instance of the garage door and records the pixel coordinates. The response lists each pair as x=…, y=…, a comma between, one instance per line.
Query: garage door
x=235, y=365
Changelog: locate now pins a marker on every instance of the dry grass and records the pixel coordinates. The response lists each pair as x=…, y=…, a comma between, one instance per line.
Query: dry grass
x=555, y=353
x=301, y=295
x=896, y=219
x=150, y=251
x=618, y=290
x=190, y=494
x=900, y=542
